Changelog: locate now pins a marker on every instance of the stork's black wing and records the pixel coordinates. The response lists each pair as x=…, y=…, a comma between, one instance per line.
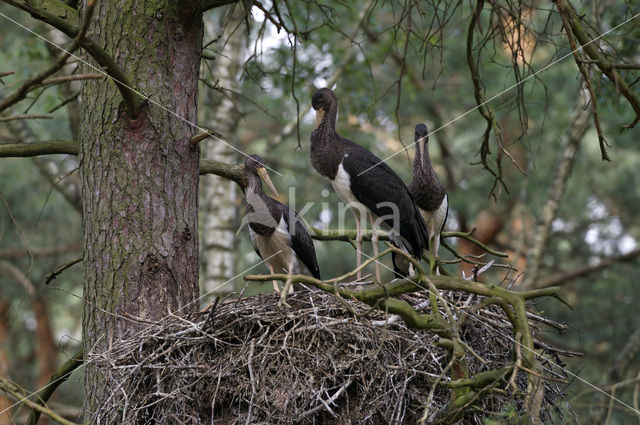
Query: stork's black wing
x=377, y=187
x=301, y=241
x=253, y=244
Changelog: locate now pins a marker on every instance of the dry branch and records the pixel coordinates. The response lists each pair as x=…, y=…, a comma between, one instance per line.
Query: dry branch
x=69, y=147
x=19, y=395
x=570, y=144
x=67, y=20
x=59, y=377
x=39, y=79
x=576, y=27
x=48, y=251
x=26, y=117
x=568, y=276
x=51, y=276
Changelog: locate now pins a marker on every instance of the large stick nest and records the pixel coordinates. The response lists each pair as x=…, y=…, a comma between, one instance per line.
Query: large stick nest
x=248, y=362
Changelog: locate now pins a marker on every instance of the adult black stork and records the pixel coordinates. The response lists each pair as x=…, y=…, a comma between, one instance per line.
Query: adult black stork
x=369, y=186
x=278, y=234
x=428, y=194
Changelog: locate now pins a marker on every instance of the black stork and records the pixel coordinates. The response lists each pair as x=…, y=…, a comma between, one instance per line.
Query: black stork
x=278, y=234
x=428, y=194
x=371, y=189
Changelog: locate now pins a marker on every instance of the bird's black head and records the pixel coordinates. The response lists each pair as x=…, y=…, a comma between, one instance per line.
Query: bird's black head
x=421, y=133
x=254, y=164
x=322, y=99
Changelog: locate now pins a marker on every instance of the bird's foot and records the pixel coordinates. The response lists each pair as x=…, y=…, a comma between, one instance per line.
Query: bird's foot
x=276, y=288
x=283, y=300
x=433, y=265
x=283, y=295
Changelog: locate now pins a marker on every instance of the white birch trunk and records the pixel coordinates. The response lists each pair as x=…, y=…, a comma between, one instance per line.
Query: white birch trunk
x=219, y=198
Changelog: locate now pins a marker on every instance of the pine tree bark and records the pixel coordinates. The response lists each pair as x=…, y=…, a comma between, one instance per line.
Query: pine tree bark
x=218, y=196
x=139, y=178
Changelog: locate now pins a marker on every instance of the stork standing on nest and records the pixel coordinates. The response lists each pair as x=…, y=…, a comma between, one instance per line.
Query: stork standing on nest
x=428, y=194
x=369, y=186
x=278, y=234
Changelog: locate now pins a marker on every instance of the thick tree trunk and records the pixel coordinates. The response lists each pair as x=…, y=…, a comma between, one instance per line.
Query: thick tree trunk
x=218, y=196
x=139, y=178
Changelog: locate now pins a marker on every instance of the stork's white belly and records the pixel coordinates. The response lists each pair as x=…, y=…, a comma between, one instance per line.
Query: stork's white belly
x=435, y=219
x=276, y=250
x=342, y=185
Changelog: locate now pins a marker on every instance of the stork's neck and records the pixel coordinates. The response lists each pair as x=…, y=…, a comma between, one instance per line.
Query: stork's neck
x=326, y=130
x=255, y=191
x=422, y=167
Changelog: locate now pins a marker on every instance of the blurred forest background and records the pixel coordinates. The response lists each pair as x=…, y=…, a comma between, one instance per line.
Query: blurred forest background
x=391, y=69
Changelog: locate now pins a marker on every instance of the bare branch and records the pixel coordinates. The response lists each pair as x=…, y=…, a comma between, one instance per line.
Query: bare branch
x=228, y=171
x=39, y=252
x=50, y=276
x=26, y=117
x=36, y=81
x=485, y=109
x=18, y=276
x=69, y=147
x=570, y=145
x=53, y=12
x=575, y=26
x=19, y=394
x=566, y=277
x=66, y=19
x=60, y=376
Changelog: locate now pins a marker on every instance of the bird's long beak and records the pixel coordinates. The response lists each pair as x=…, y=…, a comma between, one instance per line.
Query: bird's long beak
x=319, y=116
x=262, y=172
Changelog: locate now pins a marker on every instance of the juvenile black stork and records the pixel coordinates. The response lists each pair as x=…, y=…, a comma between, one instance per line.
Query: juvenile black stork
x=278, y=234
x=371, y=189
x=428, y=194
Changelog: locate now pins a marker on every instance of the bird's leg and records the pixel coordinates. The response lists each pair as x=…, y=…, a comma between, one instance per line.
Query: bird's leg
x=276, y=288
x=286, y=289
x=359, y=243
x=435, y=244
x=374, y=241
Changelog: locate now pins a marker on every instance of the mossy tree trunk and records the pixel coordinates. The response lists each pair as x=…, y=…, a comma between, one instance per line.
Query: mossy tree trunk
x=139, y=177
